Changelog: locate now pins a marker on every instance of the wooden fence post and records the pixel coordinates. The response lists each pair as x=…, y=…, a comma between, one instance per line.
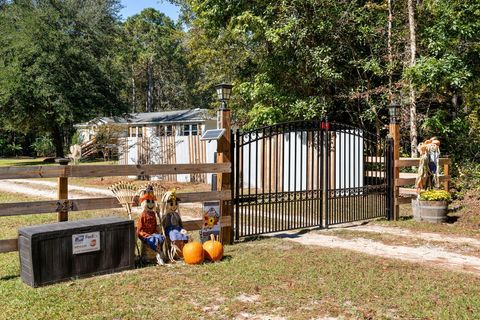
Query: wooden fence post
x=224, y=179
x=62, y=192
x=446, y=172
x=394, y=129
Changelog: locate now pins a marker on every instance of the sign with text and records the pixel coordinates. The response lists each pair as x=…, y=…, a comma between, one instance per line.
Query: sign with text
x=85, y=242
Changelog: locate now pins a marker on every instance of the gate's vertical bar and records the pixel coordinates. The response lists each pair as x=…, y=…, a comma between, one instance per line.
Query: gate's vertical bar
x=312, y=172
x=277, y=160
x=264, y=214
x=344, y=160
x=389, y=173
x=300, y=204
x=257, y=217
x=238, y=174
x=288, y=187
x=321, y=172
x=359, y=178
x=249, y=203
x=283, y=202
x=326, y=179
x=311, y=194
x=270, y=180
x=293, y=221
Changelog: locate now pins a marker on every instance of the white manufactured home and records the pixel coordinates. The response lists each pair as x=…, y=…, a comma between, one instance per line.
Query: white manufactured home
x=167, y=137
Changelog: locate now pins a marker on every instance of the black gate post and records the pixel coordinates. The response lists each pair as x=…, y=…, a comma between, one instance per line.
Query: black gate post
x=389, y=174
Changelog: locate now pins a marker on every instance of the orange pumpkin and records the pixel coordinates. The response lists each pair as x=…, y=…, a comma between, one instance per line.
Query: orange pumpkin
x=213, y=249
x=193, y=253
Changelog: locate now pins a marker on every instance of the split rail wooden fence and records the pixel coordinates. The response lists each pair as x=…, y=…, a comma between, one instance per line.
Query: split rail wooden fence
x=407, y=179
x=63, y=205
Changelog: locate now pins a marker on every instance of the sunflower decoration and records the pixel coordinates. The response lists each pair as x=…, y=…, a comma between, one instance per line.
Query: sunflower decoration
x=210, y=218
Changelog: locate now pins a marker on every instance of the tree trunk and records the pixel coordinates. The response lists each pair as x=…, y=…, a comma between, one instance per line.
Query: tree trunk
x=389, y=47
x=150, y=87
x=58, y=140
x=413, y=106
x=134, y=97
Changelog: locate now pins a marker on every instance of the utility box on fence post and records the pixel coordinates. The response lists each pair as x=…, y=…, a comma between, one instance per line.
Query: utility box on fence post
x=55, y=252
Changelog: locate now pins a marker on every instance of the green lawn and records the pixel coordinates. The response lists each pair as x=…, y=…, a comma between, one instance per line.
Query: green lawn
x=266, y=277
x=279, y=278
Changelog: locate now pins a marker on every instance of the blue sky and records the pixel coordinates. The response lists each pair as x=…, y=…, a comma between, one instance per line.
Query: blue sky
x=132, y=7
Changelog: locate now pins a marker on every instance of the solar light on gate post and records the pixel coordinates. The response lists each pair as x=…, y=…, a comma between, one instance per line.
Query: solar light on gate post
x=394, y=112
x=224, y=90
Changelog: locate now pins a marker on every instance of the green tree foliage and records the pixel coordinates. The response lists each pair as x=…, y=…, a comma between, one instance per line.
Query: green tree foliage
x=299, y=59
x=55, y=65
x=153, y=56
x=294, y=59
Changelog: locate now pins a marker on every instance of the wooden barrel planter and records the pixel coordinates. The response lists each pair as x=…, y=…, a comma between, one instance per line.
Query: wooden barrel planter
x=430, y=211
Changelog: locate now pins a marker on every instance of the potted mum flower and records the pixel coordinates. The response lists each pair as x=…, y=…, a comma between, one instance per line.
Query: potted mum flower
x=431, y=206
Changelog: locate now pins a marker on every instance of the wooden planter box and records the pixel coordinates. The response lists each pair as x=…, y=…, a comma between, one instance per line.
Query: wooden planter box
x=430, y=211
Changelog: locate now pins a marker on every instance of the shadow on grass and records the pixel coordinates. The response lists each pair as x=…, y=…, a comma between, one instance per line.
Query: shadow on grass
x=30, y=163
x=9, y=277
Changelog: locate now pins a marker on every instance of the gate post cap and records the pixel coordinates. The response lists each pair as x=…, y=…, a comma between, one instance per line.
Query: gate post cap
x=62, y=161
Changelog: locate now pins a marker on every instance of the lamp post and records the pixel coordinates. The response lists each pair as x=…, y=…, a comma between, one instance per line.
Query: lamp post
x=224, y=90
x=394, y=129
x=224, y=155
x=393, y=111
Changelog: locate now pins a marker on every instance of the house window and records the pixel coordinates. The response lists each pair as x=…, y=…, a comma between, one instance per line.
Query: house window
x=186, y=130
x=160, y=131
x=136, y=132
x=169, y=130
x=194, y=130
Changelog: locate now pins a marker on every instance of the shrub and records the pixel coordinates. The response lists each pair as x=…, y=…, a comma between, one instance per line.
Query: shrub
x=435, y=195
x=76, y=138
x=44, y=146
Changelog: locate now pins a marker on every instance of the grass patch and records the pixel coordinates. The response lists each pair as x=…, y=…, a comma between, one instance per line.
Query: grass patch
x=443, y=228
x=455, y=228
x=267, y=277
x=9, y=162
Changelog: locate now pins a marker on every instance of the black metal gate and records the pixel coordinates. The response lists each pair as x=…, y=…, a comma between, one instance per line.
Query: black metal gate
x=308, y=174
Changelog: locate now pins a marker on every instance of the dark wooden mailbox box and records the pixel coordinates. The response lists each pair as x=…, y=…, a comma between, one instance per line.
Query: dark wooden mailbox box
x=66, y=250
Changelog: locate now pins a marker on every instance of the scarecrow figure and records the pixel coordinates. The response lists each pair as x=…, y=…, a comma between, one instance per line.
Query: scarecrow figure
x=172, y=225
x=147, y=224
x=423, y=168
x=427, y=176
x=433, y=162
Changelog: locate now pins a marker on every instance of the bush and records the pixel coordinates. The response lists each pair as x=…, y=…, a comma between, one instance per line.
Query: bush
x=435, y=195
x=44, y=146
x=76, y=138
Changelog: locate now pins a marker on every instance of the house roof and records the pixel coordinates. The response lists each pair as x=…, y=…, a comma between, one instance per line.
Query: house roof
x=172, y=116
